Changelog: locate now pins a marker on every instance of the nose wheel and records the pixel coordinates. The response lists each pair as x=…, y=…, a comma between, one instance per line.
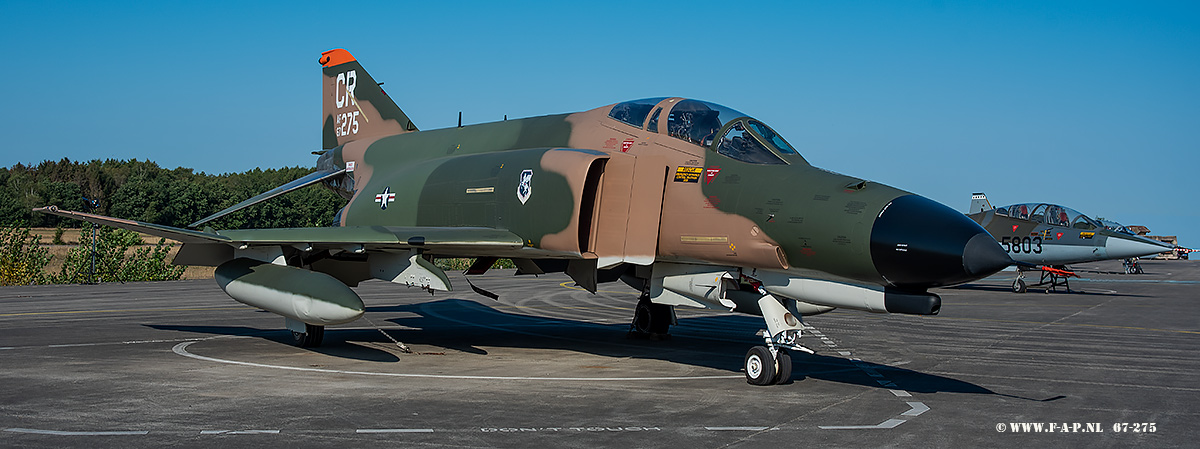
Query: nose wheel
x=1019, y=286
x=760, y=366
x=764, y=368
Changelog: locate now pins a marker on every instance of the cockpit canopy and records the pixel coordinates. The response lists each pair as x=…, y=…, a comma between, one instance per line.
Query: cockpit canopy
x=721, y=129
x=1114, y=226
x=1051, y=214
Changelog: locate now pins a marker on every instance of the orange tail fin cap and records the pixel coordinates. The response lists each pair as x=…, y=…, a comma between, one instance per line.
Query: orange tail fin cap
x=335, y=57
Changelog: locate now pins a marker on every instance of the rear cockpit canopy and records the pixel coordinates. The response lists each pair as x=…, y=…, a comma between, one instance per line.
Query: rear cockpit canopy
x=1114, y=226
x=718, y=128
x=1051, y=214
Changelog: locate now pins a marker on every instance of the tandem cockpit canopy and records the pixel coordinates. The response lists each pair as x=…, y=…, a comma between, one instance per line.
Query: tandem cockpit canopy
x=1051, y=214
x=1114, y=226
x=718, y=128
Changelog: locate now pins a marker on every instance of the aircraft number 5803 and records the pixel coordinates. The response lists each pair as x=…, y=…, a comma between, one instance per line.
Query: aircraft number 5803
x=1022, y=245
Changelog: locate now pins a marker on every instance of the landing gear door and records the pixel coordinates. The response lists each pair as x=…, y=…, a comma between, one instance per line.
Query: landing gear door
x=631, y=202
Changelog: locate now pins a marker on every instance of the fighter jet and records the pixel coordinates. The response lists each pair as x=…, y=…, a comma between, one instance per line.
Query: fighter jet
x=1050, y=235
x=693, y=203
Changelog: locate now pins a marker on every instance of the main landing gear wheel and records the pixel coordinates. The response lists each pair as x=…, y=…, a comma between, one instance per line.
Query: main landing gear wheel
x=311, y=337
x=1018, y=286
x=760, y=366
x=651, y=320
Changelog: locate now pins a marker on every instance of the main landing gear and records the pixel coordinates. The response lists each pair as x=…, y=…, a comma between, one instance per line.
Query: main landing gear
x=305, y=335
x=651, y=320
x=768, y=364
x=1132, y=266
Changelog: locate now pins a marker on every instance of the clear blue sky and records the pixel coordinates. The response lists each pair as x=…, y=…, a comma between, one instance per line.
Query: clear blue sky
x=1091, y=104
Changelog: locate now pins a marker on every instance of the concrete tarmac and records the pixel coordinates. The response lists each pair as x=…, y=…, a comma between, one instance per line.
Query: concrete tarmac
x=180, y=363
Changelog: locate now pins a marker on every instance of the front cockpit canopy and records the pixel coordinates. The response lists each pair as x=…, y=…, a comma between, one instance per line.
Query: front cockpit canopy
x=721, y=129
x=1051, y=214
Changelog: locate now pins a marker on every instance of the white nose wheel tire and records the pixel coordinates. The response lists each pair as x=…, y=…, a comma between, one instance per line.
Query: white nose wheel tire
x=760, y=366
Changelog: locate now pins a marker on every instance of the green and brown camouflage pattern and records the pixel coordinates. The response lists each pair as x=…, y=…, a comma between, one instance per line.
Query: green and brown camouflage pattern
x=790, y=216
x=600, y=190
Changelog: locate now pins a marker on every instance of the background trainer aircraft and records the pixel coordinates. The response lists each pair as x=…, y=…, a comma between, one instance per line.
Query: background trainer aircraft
x=1053, y=235
x=691, y=202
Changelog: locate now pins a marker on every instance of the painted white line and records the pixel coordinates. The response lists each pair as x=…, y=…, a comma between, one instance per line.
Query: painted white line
x=917, y=409
x=394, y=431
x=181, y=349
x=114, y=343
x=238, y=432
x=748, y=429
x=889, y=424
x=66, y=433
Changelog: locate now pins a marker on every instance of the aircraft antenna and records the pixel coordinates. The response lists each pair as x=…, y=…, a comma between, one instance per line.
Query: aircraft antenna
x=460, y=119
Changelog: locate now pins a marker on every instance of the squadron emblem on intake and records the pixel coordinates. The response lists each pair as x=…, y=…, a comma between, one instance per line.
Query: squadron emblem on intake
x=525, y=187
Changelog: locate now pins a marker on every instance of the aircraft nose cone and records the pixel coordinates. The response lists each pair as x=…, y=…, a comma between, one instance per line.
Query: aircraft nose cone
x=983, y=256
x=919, y=243
x=1123, y=248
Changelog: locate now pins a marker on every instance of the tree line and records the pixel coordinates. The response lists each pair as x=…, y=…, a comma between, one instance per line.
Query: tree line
x=102, y=256
x=143, y=191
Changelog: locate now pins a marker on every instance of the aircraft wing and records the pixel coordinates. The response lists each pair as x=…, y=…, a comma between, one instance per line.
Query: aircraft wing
x=452, y=239
x=482, y=240
x=178, y=234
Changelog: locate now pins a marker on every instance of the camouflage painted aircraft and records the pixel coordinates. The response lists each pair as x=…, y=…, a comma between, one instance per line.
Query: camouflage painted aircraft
x=693, y=203
x=1053, y=235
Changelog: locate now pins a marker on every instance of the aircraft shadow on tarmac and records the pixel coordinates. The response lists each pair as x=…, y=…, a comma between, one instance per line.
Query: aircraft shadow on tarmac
x=715, y=342
x=837, y=369
x=334, y=346
x=1036, y=292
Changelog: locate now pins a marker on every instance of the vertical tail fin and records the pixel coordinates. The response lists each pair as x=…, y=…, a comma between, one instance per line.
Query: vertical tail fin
x=979, y=203
x=353, y=104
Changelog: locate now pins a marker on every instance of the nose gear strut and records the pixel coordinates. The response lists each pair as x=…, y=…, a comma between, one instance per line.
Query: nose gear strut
x=772, y=364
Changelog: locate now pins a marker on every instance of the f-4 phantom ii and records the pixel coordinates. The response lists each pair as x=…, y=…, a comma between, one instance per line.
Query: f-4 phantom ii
x=693, y=203
x=1054, y=236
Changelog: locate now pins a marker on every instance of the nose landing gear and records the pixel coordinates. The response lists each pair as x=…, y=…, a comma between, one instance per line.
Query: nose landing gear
x=772, y=364
x=769, y=365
